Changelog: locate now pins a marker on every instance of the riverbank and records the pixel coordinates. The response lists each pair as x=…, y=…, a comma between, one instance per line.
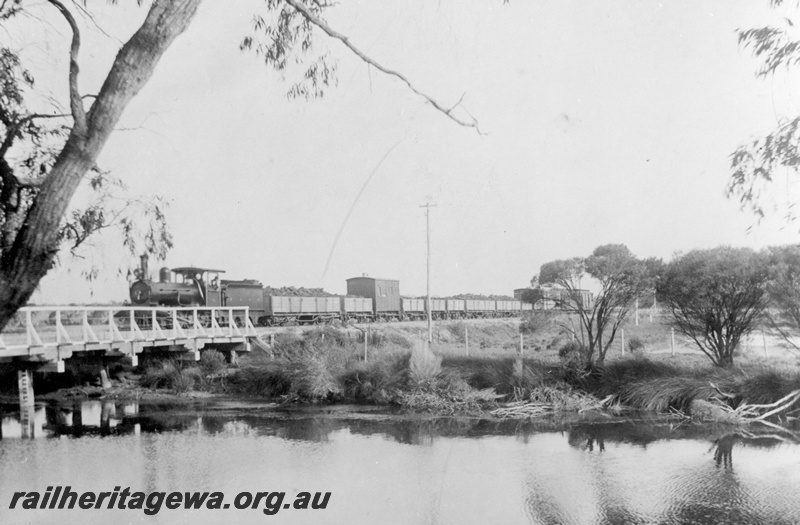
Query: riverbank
x=471, y=367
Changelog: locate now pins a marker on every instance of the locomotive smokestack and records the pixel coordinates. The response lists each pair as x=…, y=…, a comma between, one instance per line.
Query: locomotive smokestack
x=145, y=275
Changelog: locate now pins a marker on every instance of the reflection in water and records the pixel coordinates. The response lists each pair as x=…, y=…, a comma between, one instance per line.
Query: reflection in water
x=425, y=469
x=82, y=417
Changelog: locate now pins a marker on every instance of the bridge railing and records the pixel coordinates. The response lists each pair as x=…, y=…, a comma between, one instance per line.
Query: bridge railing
x=54, y=326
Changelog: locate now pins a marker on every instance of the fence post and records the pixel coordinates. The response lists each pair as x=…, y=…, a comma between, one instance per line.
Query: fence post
x=672, y=335
x=366, y=338
x=521, y=345
x=466, y=337
x=764, y=341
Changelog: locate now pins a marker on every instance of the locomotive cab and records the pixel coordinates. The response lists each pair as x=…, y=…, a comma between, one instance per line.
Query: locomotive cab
x=203, y=283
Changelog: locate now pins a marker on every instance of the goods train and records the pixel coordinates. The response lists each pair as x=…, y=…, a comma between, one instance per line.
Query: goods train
x=368, y=299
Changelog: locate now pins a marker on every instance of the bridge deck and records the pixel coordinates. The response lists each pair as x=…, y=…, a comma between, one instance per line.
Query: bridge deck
x=56, y=333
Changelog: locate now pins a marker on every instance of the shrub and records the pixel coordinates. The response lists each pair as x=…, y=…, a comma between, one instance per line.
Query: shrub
x=424, y=367
x=212, y=362
x=573, y=356
x=171, y=374
x=635, y=344
x=269, y=379
x=376, y=381
x=535, y=322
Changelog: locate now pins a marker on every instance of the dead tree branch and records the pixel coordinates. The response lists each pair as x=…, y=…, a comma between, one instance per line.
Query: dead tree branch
x=75, y=102
x=311, y=17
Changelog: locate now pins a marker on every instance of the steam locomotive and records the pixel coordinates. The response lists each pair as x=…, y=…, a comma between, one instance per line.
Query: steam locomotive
x=368, y=299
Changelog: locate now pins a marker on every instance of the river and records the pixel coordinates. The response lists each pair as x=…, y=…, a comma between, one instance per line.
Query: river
x=389, y=468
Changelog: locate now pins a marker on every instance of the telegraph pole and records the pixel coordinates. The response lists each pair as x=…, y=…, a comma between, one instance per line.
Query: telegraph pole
x=428, y=207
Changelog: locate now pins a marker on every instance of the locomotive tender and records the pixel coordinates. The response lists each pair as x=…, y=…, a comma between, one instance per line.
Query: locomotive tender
x=368, y=299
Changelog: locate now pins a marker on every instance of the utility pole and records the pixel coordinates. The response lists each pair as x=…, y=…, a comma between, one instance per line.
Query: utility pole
x=428, y=207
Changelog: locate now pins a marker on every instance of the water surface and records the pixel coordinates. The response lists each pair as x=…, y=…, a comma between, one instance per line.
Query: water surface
x=388, y=468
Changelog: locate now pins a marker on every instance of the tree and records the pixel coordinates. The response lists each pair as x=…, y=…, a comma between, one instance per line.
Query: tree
x=758, y=161
x=715, y=297
x=783, y=289
x=36, y=190
x=621, y=277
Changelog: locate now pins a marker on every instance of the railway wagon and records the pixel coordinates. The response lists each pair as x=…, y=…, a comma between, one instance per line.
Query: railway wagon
x=439, y=309
x=413, y=309
x=358, y=309
x=479, y=308
x=455, y=308
x=282, y=309
x=508, y=308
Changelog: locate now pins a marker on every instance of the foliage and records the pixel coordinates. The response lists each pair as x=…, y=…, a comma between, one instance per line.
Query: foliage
x=634, y=343
x=573, y=356
x=715, y=297
x=424, y=367
x=212, y=362
x=622, y=278
x=532, y=295
x=535, y=322
x=173, y=375
x=783, y=289
x=657, y=386
x=757, y=162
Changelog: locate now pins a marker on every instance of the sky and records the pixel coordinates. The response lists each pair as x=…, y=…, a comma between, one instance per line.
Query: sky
x=603, y=122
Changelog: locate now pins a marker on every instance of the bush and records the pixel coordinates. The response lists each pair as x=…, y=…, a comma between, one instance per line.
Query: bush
x=171, y=374
x=535, y=322
x=269, y=379
x=635, y=344
x=424, y=367
x=573, y=356
x=376, y=381
x=212, y=362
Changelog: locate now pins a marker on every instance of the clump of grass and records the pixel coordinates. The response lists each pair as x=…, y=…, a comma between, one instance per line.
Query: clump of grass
x=635, y=344
x=377, y=381
x=658, y=386
x=573, y=356
x=212, y=362
x=450, y=394
x=563, y=398
x=535, y=322
x=171, y=374
x=424, y=368
x=547, y=401
x=762, y=385
x=287, y=344
x=312, y=377
x=267, y=379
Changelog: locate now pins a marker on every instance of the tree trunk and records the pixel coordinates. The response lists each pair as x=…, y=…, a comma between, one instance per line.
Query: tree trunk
x=31, y=254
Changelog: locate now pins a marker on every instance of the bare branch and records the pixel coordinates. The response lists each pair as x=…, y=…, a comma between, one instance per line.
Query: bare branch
x=311, y=17
x=75, y=102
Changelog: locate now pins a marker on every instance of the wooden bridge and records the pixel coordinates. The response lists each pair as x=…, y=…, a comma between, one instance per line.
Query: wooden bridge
x=41, y=338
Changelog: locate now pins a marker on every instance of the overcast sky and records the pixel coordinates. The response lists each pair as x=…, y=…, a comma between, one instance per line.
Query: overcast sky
x=605, y=122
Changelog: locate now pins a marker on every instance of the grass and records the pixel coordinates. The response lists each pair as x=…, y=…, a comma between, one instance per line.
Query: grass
x=659, y=386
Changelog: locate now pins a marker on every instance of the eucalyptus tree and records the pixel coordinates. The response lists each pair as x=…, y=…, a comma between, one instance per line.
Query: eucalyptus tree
x=46, y=156
x=621, y=278
x=716, y=297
